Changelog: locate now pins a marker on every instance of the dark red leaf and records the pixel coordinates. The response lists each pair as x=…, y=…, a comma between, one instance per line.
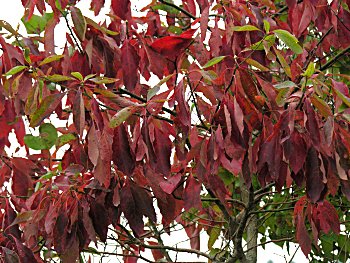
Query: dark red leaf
x=295, y=150
x=171, y=183
x=302, y=235
x=130, y=63
x=123, y=156
x=312, y=125
x=79, y=113
x=24, y=253
x=314, y=177
x=192, y=193
x=121, y=8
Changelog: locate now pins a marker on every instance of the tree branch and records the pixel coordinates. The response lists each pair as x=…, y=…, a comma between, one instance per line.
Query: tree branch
x=330, y=62
x=179, y=9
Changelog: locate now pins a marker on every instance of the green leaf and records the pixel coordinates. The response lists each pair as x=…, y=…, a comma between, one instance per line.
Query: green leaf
x=345, y=99
x=47, y=176
x=167, y=8
x=101, y=28
x=79, y=22
x=310, y=70
x=245, y=28
x=285, y=84
x=213, y=61
x=46, y=107
x=266, y=26
x=103, y=80
x=256, y=64
x=77, y=75
x=36, y=24
x=46, y=139
x=58, y=78
x=153, y=91
x=213, y=236
x=283, y=63
x=15, y=70
x=288, y=39
x=121, y=116
x=270, y=40
x=34, y=142
x=89, y=76
x=51, y=59
x=49, y=134
x=64, y=139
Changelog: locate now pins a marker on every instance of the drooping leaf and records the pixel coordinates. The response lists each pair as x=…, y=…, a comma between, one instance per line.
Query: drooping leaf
x=79, y=22
x=192, y=193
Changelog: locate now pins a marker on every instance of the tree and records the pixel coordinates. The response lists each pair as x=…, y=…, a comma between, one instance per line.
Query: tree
x=246, y=132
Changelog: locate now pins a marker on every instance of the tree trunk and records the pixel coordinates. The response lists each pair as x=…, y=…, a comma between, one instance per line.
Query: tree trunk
x=251, y=229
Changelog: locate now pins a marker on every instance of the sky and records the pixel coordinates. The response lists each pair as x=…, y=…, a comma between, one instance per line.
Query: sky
x=12, y=12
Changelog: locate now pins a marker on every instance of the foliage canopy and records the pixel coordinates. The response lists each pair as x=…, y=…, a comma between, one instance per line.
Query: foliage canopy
x=246, y=132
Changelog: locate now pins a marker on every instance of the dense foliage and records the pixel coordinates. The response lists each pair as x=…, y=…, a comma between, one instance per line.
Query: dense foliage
x=246, y=132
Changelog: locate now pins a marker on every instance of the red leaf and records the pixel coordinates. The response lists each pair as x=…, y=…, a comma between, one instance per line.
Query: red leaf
x=295, y=150
x=123, y=156
x=204, y=22
x=314, y=182
x=302, y=235
x=192, y=193
x=121, y=8
x=129, y=207
x=327, y=217
x=99, y=216
x=79, y=113
x=24, y=253
x=157, y=253
x=96, y=6
x=312, y=124
x=172, y=46
x=130, y=63
x=169, y=185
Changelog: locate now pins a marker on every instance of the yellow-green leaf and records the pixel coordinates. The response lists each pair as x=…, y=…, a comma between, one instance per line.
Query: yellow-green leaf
x=213, y=61
x=288, y=39
x=266, y=26
x=256, y=64
x=103, y=80
x=153, y=91
x=121, y=116
x=51, y=59
x=58, y=78
x=77, y=75
x=245, y=28
x=15, y=70
x=310, y=70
